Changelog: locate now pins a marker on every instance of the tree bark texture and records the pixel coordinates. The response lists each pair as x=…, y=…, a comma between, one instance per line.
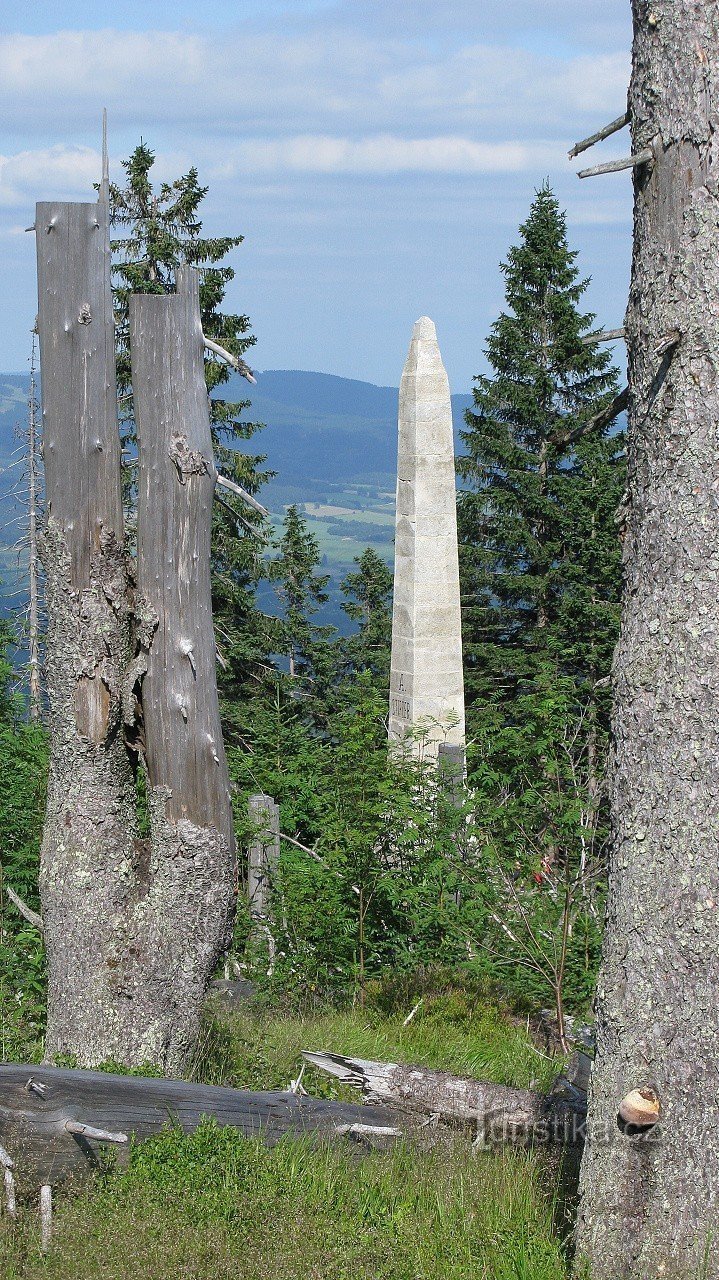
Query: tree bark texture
x=185, y=916
x=36, y=1104
x=88, y=851
x=650, y=1198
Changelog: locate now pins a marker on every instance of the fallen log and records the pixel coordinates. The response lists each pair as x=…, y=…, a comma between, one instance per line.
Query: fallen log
x=53, y=1122
x=499, y=1113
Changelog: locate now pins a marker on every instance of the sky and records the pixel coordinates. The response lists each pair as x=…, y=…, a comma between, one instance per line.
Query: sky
x=378, y=156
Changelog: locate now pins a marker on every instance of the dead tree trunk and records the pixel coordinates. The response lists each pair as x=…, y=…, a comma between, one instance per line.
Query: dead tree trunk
x=88, y=852
x=185, y=916
x=53, y=1123
x=650, y=1191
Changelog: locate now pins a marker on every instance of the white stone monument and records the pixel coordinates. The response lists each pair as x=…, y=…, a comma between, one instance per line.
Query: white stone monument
x=426, y=680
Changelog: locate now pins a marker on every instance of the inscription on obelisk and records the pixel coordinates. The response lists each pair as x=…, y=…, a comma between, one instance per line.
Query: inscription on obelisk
x=426, y=681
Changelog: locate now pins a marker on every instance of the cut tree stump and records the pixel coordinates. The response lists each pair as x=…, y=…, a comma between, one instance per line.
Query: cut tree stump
x=53, y=1122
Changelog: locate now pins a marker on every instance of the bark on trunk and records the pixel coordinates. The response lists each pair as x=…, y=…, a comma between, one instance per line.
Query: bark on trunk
x=38, y=1103
x=650, y=1197
x=88, y=851
x=185, y=914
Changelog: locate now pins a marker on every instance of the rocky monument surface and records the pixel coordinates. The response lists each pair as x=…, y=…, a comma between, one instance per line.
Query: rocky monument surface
x=426, y=680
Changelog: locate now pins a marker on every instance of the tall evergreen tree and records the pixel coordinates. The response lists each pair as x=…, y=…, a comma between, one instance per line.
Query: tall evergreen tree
x=540, y=562
x=535, y=520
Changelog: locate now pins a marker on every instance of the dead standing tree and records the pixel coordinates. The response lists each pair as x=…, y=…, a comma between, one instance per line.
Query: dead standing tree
x=185, y=918
x=89, y=850
x=133, y=928
x=650, y=1180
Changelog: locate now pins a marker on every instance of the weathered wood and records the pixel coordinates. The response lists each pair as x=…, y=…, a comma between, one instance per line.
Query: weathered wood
x=185, y=916
x=88, y=851
x=263, y=854
x=603, y=335
x=640, y=158
x=499, y=1113
x=34, y=1126
x=650, y=1202
x=600, y=135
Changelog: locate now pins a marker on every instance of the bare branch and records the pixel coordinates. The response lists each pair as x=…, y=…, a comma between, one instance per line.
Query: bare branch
x=314, y=854
x=603, y=335
x=242, y=493
x=228, y=358
x=600, y=135
x=89, y=1131
x=614, y=166
x=31, y=916
x=598, y=422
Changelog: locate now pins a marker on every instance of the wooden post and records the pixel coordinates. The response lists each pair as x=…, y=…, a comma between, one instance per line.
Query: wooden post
x=190, y=904
x=88, y=852
x=263, y=860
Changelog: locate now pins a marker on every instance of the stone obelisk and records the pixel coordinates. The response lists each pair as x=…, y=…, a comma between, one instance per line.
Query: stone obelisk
x=426, y=681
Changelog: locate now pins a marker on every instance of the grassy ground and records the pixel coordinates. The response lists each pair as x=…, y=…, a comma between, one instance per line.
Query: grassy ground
x=213, y=1205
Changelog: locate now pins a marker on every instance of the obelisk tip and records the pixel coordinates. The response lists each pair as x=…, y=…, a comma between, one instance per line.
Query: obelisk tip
x=424, y=330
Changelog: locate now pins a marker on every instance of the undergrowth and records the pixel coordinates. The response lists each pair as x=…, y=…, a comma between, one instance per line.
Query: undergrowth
x=215, y=1205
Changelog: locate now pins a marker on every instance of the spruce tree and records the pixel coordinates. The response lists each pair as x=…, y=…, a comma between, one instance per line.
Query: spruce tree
x=540, y=562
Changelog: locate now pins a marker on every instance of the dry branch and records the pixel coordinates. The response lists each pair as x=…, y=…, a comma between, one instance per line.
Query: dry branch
x=603, y=335
x=27, y=912
x=242, y=493
x=600, y=135
x=615, y=166
x=228, y=358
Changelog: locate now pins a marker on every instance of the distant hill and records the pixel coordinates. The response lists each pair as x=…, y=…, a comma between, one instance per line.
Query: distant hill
x=318, y=426
x=331, y=441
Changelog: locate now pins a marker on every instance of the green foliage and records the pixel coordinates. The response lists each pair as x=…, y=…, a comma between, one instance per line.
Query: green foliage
x=540, y=564
x=23, y=763
x=458, y=1026
x=216, y=1204
x=383, y=886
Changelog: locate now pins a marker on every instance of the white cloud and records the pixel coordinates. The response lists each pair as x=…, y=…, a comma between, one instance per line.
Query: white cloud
x=387, y=153
x=53, y=172
x=328, y=81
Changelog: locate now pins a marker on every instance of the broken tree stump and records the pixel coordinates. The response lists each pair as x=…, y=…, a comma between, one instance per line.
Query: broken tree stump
x=54, y=1121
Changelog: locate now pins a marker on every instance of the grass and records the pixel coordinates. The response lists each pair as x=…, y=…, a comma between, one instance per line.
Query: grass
x=257, y=1049
x=214, y=1205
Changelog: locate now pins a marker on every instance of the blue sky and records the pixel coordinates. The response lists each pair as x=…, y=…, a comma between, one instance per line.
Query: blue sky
x=377, y=155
